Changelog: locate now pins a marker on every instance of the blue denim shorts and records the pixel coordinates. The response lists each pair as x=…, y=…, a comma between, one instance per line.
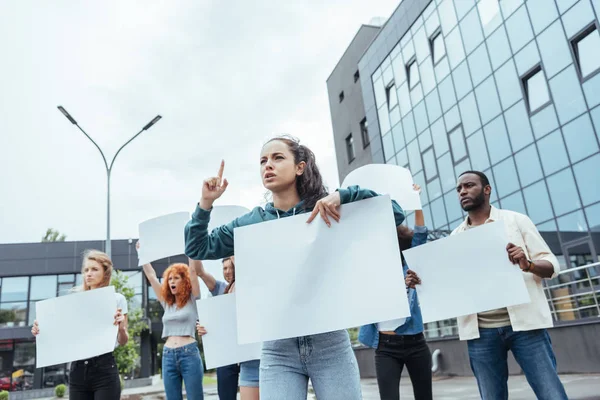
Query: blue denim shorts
x=249, y=373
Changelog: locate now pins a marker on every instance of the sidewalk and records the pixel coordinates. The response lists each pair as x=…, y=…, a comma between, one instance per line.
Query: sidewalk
x=579, y=387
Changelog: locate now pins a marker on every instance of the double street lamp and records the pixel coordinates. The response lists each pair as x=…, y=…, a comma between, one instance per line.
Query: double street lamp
x=107, y=166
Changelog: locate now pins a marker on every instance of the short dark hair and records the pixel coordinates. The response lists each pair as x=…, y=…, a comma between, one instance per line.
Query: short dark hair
x=484, y=179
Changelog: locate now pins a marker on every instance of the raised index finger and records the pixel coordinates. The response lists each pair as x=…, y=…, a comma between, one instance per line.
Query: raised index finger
x=221, y=168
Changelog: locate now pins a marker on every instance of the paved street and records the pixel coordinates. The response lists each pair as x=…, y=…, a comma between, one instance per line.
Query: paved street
x=579, y=387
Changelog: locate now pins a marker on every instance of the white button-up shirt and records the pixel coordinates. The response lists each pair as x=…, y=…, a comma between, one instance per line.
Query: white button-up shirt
x=521, y=232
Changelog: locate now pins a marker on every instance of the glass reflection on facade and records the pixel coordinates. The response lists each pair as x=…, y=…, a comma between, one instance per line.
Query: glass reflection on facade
x=514, y=92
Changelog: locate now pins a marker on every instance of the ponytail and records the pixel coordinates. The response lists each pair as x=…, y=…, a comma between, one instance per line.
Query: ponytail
x=310, y=184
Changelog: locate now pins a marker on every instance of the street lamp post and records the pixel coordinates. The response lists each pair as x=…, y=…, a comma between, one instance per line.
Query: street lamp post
x=107, y=166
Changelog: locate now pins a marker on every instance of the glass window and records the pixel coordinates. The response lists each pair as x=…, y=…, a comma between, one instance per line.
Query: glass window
x=577, y=18
x=554, y=49
x=593, y=217
x=65, y=288
x=462, y=7
x=567, y=95
x=434, y=108
x=498, y=41
x=489, y=12
x=364, y=132
x=506, y=177
x=552, y=152
x=408, y=124
x=384, y=120
x=414, y=156
x=527, y=58
x=454, y=48
x=402, y=158
x=43, y=287
x=442, y=70
x=453, y=206
x=494, y=196
x=536, y=90
x=388, y=74
x=510, y=6
x=564, y=5
x=398, y=136
x=595, y=113
x=574, y=222
x=412, y=73
x=538, y=202
x=462, y=80
x=350, y=148
x=388, y=146
x=379, y=89
x=586, y=174
x=404, y=99
x=517, y=123
x=519, y=29
x=544, y=122
x=497, y=140
x=580, y=138
x=13, y=314
x=447, y=15
x=591, y=88
x=70, y=278
x=440, y=139
x=514, y=202
x=461, y=167
x=421, y=45
x=585, y=47
x=446, y=172
x=425, y=139
x=416, y=94
x=469, y=114
x=394, y=116
x=508, y=85
x=427, y=77
x=563, y=192
x=432, y=23
x=399, y=70
x=434, y=188
x=438, y=49
x=419, y=179
x=457, y=144
x=487, y=98
x=429, y=164
x=478, y=152
x=420, y=113
x=528, y=165
x=439, y=212
x=479, y=64
x=452, y=118
x=542, y=13
x=15, y=289
x=392, y=99
x=447, y=96
x=471, y=30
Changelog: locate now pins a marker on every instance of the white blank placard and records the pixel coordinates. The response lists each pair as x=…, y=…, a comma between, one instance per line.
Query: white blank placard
x=218, y=316
x=466, y=274
x=76, y=326
x=162, y=237
x=220, y=215
x=295, y=279
x=387, y=179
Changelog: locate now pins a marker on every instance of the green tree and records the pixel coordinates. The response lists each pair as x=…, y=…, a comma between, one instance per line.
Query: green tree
x=53, y=236
x=128, y=355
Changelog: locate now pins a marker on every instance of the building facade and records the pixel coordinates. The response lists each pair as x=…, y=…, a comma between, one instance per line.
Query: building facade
x=510, y=88
x=30, y=272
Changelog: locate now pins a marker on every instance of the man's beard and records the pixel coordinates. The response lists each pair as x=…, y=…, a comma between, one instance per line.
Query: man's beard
x=476, y=203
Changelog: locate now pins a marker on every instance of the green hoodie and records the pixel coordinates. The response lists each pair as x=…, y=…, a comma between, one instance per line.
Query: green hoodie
x=200, y=245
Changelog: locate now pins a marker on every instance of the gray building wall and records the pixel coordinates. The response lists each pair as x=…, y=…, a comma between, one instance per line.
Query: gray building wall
x=346, y=115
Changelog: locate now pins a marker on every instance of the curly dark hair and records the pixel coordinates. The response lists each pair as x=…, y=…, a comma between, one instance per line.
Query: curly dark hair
x=310, y=184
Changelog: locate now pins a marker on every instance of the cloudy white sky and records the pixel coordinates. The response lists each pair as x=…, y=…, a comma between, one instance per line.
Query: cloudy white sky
x=225, y=76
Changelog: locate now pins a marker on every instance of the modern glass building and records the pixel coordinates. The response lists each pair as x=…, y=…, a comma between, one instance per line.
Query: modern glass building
x=508, y=87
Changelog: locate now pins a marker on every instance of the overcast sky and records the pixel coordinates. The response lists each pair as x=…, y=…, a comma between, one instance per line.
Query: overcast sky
x=225, y=76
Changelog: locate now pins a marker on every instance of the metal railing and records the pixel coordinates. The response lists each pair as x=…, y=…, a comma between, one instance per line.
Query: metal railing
x=573, y=295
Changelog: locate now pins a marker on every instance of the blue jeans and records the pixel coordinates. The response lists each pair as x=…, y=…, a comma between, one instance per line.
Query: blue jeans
x=327, y=359
x=227, y=381
x=183, y=364
x=533, y=352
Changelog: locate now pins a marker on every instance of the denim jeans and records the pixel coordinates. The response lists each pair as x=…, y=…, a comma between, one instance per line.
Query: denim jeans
x=327, y=359
x=183, y=364
x=96, y=378
x=533, y=352
x=227, y=381
x=392, y=354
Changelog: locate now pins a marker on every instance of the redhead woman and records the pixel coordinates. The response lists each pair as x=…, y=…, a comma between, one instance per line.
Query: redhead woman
x=97, y=378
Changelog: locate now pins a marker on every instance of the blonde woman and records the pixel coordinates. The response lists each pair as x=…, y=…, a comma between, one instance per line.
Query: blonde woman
x=97, y=378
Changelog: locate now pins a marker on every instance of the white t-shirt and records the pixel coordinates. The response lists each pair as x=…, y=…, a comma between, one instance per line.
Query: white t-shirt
x=122, y=304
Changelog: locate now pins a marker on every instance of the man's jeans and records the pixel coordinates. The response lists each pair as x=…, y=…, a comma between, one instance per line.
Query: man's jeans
x=227, y=381
x=327, y=359
x=533, y=352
